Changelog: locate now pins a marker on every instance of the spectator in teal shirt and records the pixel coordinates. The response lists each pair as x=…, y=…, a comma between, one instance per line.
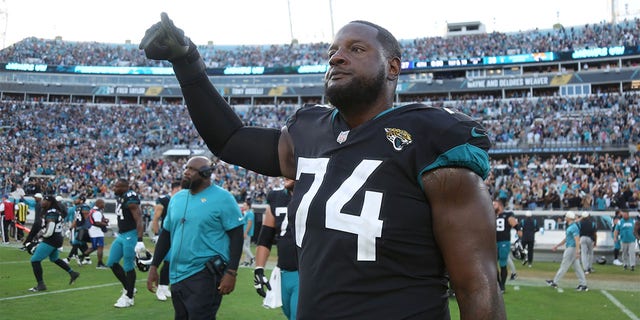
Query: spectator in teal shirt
x=624, y=232
x=249, y=225
x=571, y=255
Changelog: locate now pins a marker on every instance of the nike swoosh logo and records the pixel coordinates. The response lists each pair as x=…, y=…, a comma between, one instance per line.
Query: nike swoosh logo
x=478, y=133
x=128, y=238
x=240, y=219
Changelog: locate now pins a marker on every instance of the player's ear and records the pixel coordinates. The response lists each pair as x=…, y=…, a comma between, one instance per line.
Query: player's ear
x=393, y=68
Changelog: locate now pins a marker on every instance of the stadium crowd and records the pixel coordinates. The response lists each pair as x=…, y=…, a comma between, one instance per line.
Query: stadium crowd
x=70, y=53
x=70, y=149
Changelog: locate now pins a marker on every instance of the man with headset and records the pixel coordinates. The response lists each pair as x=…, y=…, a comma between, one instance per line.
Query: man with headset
x=204, y=230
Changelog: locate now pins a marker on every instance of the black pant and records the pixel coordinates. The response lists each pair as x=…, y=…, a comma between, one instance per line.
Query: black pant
x=529, y=246
x=6, y=225
x=20, y=231
x=196, y=297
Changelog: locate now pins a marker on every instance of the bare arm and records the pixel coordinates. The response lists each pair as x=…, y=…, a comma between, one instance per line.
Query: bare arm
x=247, y=228
x=461, y=205
x=636, y=229
x=157, y=212
x=560, y=244
x=514, y=222
x=136, y=213
x=285, y=154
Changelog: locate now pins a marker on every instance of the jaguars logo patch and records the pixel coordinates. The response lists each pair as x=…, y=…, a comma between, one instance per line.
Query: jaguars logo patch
x=398, y=138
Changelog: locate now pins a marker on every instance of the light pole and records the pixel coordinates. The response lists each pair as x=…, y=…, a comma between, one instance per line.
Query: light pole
x=290, y=22
x=333, y=34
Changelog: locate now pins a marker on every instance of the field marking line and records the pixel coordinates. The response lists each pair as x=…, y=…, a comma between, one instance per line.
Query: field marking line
x=14, y=262
x=64, y=290
x=622, y=308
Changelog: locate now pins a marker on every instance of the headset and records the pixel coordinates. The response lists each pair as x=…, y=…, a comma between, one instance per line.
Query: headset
x=206, y=171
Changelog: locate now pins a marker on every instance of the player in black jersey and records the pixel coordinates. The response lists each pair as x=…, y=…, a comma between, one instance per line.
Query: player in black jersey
x=160, y=212
x=387, y=200
x=128, y=242
x=505, y=221
x=51, y=241
x=276, y=229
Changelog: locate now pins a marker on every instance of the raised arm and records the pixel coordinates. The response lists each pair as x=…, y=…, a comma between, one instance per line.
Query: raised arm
x=218, y=125
x=464, y=227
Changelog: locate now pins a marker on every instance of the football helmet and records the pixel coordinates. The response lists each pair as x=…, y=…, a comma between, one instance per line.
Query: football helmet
x=143, y=260
x=601, y=260
x=518, y=251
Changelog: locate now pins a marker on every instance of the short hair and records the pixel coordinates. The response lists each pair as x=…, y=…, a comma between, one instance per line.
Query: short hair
x=386, y=38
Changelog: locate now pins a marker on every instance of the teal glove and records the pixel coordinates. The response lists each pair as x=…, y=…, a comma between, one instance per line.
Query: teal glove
x=165, y=41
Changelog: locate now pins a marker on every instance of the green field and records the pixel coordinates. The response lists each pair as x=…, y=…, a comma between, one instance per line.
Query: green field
x=614, y=294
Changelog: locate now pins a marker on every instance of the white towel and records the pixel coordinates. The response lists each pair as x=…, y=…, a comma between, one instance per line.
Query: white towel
x=274, y=296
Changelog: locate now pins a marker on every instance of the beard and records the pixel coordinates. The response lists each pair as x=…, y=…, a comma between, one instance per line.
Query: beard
x=190, y=184
x=357, y=94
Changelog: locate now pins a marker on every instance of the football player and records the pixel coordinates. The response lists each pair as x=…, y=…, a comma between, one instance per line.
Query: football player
x=160, y=212
x=505, y=221
x=128, y=242
x=383, y=193
x=277, y=229
x=51, y=241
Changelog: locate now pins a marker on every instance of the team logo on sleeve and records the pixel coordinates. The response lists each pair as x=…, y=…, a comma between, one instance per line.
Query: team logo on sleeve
x=398, y=138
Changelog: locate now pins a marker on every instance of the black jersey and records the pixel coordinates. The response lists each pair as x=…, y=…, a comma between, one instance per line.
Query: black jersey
x=164, y=201
x=80, y=211
x=503, y=228
x=362, y=223
x=278, y=201
x=587, y=228
x=125, y=218
x=56, y=239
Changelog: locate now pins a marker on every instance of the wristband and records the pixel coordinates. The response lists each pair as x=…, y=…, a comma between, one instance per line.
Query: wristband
x=232, y=273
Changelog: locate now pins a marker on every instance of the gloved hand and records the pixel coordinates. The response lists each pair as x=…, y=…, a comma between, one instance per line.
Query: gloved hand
x=260, y=281
x=164, y=41
x=140, y=249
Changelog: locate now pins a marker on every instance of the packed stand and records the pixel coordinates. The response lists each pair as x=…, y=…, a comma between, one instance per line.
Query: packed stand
x=69, y=53
x=70, y=149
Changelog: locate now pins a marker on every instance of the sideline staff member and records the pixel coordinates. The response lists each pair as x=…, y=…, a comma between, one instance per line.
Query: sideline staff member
x=203, y=228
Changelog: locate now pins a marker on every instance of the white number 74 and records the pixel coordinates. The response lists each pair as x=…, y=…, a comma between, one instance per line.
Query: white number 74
x=367, y=225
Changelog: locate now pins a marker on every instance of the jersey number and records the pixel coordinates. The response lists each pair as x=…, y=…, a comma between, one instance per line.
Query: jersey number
x=366, y=226
x=119, y=213
x=285, y=222
x=500, y=224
